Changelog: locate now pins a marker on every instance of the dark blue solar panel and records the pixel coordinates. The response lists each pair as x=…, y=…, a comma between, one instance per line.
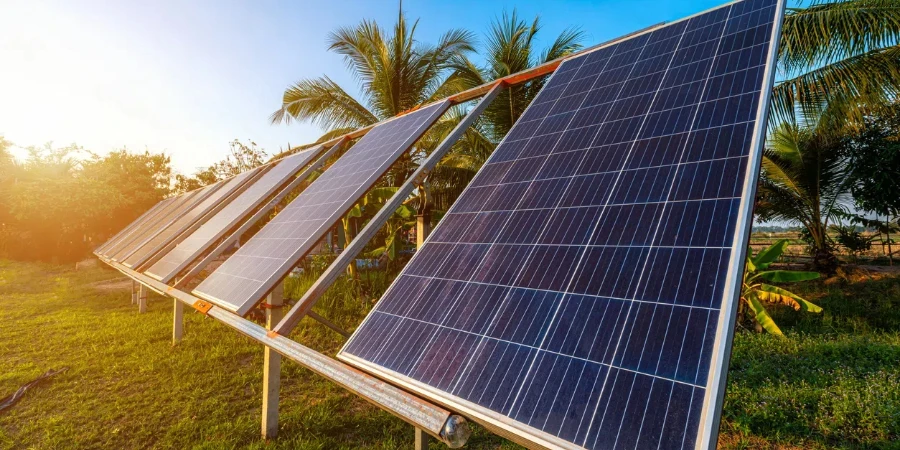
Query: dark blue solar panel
x=245, y=277
x=576, y=285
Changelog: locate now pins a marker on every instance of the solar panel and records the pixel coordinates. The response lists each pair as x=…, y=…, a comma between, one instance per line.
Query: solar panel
x=160, y=220
x=204, y=237
x=131, y=227
x=196, y=213
x=581, y=292
x=252, y=271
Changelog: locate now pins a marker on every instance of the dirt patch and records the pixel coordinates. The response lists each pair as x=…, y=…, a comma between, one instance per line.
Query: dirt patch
x=116, y=284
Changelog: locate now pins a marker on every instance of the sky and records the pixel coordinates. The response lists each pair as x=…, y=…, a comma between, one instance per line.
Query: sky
x=188, y=77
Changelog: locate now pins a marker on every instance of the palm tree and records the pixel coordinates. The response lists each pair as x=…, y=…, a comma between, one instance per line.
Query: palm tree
x=804, y=180
x=509, y=48
x=396, y=72
x=837, y=61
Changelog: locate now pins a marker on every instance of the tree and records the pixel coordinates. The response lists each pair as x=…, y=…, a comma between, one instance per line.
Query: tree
x=241, y=158
x=64, y=201
x=873, y=160
x=838, y=60
x=755, y=293
x=510, y=48
x=804, y=180
x=52, y=207
x=143, y=179
x=396, y=72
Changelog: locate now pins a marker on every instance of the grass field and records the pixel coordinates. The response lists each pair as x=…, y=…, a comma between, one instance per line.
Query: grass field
x=833, y=382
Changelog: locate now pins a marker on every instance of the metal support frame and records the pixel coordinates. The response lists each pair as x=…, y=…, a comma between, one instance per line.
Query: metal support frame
x=334, y=327
x=260, y=213
x=438, y=422
x=711, y=414
x=272, y=366
x=350, y=252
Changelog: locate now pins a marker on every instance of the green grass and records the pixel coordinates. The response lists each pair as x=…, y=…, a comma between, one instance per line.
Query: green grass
x=834, y=382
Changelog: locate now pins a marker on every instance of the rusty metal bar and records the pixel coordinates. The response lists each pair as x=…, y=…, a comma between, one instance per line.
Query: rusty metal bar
x=450, y=428
x=334, y=327
x=314, y=293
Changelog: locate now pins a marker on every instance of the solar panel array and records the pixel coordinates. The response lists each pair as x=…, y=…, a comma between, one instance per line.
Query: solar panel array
x=161, y=220
x=572, y=295
x=252, y=271
x=133, y=226
x=215, y=228
x=197, y=212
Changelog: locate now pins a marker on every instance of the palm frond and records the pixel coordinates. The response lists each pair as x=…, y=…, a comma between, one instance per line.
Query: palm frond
x=323, y=102
x=827, y=31
x=842, y=91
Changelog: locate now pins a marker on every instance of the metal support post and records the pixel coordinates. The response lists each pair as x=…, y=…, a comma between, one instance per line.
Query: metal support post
x=178, y=322
x=142, y=298
x=272, y=366
x=423, y=439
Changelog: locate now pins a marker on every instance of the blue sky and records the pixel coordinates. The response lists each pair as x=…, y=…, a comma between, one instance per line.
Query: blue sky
x=188, y=77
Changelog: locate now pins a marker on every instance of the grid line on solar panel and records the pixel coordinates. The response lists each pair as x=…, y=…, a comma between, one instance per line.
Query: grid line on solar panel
x=198, y=212
x=172, y=212
x=252, y=271
x=440, y=325
x=200, y=240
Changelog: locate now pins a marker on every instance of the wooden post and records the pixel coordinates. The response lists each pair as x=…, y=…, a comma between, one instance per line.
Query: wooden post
x=178, y=322
x=423, y=229
x=134, y=291
x=142, y=298
x=272, y=366
x=423, y=439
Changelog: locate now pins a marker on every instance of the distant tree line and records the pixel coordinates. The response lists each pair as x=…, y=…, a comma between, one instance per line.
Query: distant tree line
x=59, y=203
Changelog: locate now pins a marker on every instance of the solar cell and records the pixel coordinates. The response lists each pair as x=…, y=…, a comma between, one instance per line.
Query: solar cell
x=581, y=291
x=198, y=212
x=131, y=227
x=164, y=217
x=252, y=271
x=204, y=237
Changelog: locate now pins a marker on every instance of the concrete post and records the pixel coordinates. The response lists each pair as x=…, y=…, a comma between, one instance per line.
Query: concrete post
x=272, y=366
x=142, y=298
x=178, y=322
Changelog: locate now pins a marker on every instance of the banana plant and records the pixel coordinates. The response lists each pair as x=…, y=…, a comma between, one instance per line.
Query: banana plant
x=755, y=293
